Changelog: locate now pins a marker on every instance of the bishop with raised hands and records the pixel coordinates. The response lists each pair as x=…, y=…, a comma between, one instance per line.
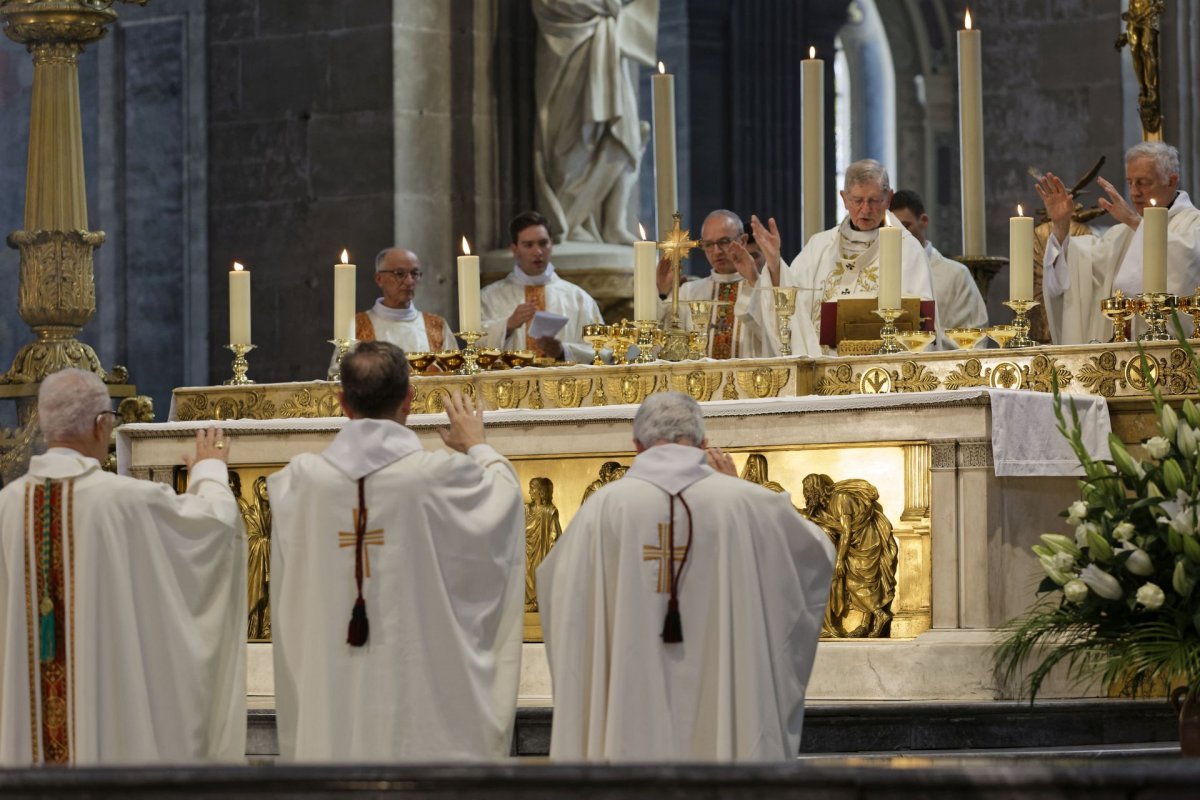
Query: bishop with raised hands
x=682, y=607
x=397, y=583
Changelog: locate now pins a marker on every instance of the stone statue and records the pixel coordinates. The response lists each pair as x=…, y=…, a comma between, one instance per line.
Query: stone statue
x=864, y=570
x=609, y=472
x=589, y=142
x=755, y=471
x=542, y=530
x=1141, y=34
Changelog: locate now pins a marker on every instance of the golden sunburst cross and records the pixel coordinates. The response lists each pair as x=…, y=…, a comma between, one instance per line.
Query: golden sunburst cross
x=675, y=247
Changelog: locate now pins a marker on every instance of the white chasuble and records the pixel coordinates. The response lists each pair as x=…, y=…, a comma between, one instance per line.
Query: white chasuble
x=1086, y=270
x=734, y=332
x=752, y=580
x=411, y=330
x=124, y=612
x=549, y=293
x=443, y=584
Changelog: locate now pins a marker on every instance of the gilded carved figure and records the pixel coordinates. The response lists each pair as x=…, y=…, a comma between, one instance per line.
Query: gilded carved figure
x=256, y=514
x=864, y=572
x=1141, y=34
x=755, y=471
x=542, y=530
x=609, y=472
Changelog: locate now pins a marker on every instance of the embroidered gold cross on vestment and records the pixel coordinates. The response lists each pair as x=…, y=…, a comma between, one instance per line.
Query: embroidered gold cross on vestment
x=347, y=539
x=664, y=555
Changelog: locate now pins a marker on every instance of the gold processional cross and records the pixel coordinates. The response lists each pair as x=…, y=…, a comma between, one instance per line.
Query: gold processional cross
x=349, y=539
x=675, y=248
x=664, y=554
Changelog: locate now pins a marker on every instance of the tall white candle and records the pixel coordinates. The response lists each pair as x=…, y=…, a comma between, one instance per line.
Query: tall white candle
x=889, y=267
x=1154, y=252
x=970, y=125
x=645, y=273
x=666, y=182
x=468, y=291
x=1020, y=257
x=812, y=145
x=343, y=298
x=239, y=305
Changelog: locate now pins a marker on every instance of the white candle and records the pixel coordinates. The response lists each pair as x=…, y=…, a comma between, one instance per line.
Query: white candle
x=343, y=298
x=1154, y=252
x=1020, y=257
x=645, y=274
x=889, y=268
x=970, y=125
x=468, y=291
x=812, y=145
x=666, y=184
x=239, y=305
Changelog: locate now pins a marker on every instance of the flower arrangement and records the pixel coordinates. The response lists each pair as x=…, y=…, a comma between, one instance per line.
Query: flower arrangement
x=1119, y=600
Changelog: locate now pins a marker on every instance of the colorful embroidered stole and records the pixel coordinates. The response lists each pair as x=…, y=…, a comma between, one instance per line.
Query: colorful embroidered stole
x=364, y=331
x=435, y=331
x=723, y=343
x=47, y=594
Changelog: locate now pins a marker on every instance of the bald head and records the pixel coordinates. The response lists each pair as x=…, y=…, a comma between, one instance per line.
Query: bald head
x=397, y=273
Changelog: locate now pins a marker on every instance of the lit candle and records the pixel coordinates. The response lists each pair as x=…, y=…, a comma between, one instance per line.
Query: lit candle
x=666, y=185
x=343, y=298
x=812, y=145
x=645, y=274
x=239, y=305
x=970, y=127
x=1020, y=256
x=1154, y=249
x=889, y=267
x=468, y=291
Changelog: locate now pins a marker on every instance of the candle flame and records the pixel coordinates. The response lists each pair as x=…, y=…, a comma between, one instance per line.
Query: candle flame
x=237, y=267
x=466, y=247
x=1020, y=211
x=345, y=256
x=812, y=52
x=661, y=69
x=967, y=20
x=1153, y=202
x=641, y=231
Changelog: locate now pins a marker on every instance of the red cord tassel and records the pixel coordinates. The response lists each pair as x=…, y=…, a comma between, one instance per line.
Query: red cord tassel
x=672, y=632
x=360, y=627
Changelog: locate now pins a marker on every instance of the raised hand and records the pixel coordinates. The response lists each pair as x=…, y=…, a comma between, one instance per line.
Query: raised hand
x=1116, y=205
x=466, y=423
x=1060, y=205
x=744, y=262
x=721, y=461
x=663, y=276
x=769, y=243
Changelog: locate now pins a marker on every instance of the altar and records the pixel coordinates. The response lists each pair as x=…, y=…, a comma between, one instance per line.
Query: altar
x=964, y=491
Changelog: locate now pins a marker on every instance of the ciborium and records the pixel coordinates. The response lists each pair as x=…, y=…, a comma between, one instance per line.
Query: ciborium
x=965, y=338
x=649, y=335
x=515, y=359
x=888, y=332
x=450, y=361
x=916, y=341
x=1155, y=309
x=1020, y=322
x=784, y=298
x=597, y=336
x=1001, y=334
x=419, y=362
x=1118, y=309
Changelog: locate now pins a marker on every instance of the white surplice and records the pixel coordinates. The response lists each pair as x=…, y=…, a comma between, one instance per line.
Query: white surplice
x=838, y=263
x=752, y=595
x=748, y=338
x=959, y=301
x=151, y=620
x=499, y=299
x=1085, y=270
x=444, y=590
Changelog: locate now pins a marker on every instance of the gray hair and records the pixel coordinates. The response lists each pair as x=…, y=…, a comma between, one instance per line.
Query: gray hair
x=669, y=416
x=1164, y=156
x=730, y=217
x=867, y=170
x=68, y=403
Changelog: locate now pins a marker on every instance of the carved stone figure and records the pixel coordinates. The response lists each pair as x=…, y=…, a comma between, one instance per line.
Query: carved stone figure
x=609, y=472
x=755, y=471
x=589, y=140
x=542, y=530
x=864, y=570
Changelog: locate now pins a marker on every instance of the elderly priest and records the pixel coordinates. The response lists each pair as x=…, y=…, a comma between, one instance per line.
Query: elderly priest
x=397, y=583
x=124, y=604
x=1080, y=272
x=682, y=607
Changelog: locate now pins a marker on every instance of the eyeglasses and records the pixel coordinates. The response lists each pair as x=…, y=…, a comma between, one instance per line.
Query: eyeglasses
x=401, y=274
x=114, y=414
x=870, y=202
x=723, y=243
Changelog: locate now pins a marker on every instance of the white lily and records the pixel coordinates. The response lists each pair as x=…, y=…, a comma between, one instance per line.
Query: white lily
x=1150, y=596
x=1168, y=420
x=1124, y=531
x=1139, y=562
x=1077, y=512
x=1075, y=591
x=1157, y=447
x=1101, y=582
x=1082, y=530
x=1185, y=440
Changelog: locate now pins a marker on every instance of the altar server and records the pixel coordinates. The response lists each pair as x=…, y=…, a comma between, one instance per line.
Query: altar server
x=682, y=607
x=397, y=583
x=1082, y=271
x=123, y=603
x=394, y=317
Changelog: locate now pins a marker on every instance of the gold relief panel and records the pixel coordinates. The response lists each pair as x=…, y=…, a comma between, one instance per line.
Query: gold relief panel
x=763, y=382
x=566, y=392
x=699, y=385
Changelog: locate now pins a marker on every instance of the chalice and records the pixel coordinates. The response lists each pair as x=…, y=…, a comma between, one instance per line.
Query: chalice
x=597, y=336
x=915, y=341
x=419, y=362
x=1001, y=334
x=701, y=311
x=785, y=306
x=965, y=338
x=1118, y=309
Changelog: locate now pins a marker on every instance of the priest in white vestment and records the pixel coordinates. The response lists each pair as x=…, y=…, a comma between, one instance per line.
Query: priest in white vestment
x=123, y=603
x=397, y=583
x=734, y=333
x=959, y=302
x=840, y=263
x=394, y=317
x=1080, y=272
x=508, y=305
x=682, y=607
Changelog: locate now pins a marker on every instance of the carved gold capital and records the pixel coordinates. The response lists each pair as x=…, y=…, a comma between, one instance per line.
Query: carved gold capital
x=30, y=22
x=57, y=287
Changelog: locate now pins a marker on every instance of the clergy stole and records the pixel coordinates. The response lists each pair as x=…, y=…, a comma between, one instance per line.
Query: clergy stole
x=537, y=296
x=435, y=331
x=723, y=339
x=360, y=627
x=669, y=575
x=49, y=569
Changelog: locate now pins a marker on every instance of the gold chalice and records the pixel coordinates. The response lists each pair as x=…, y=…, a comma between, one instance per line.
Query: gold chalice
x=419, y=362
x=784, y=299
x=915, y=341
x=517, y=358
x=489, y=358
x=1001, y=334
x=450, y=360
x=1191, y=305
x=965, y=338
x=697, y=344
x=597, y=336
x=1118, y=309
x=701, y=311
x=622, y=336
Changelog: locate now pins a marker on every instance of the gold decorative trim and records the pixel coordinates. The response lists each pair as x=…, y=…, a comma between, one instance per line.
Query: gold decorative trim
x=1006, y=375
x=566, y=392
x=699, y=385
x=1039, y=375
x=763, y=382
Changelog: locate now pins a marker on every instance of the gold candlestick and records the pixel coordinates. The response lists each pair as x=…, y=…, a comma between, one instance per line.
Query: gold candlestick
x=1155, y=309
x=888, y=332
x=1020, y=323
x=470, y=354
x=240, y=365
x=1117, y=309
x=343, y=346
x=785, y=307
